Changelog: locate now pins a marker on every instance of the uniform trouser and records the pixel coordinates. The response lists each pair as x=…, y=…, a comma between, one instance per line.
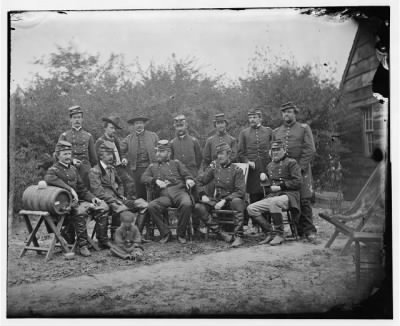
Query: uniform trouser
x=253, y=198
x=273, y=205
x=78, y=220
x=127, y=181
x=305, y=225
x=140, y=187
x=174, y=196
x=202, y=212
x=83, y=171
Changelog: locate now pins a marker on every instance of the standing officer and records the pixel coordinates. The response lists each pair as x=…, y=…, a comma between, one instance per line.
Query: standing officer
x=64, y=175
x=107, y=185
x=254, y=143
x=284, y=180
x=137, y=151
x=171, y=179
x=111, y=123
x=229, y=194
x=83, y=150
x=221, y=136
x=299, y=145
x=184, y=147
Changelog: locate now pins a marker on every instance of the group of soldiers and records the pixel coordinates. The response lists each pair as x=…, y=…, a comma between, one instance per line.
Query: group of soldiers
x=113, y=176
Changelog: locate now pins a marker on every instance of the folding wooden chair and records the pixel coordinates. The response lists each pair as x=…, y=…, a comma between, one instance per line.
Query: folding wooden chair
x=53, y=229
x=360, y=210
x=225, y=217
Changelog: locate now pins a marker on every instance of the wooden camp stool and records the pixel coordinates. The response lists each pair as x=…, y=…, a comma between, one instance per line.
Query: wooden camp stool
x=54, y=228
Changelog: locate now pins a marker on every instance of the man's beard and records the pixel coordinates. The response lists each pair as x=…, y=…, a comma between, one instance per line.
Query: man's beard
x=181, y=132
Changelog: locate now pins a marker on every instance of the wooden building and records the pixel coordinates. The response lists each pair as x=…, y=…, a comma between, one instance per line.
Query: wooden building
x=363, y=128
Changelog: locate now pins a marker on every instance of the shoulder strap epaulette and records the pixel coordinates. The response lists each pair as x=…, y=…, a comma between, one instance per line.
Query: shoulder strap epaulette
x=304, y=125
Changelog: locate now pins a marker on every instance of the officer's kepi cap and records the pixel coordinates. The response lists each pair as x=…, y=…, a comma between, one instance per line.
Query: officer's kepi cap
x=289, y=105
x=179, y=117
x=105, y=146
x=163, y=145
x=222, y=147
x=63, y=145
x=255, y=112
x=74, y=110
x=220, y=117
x=277, y=144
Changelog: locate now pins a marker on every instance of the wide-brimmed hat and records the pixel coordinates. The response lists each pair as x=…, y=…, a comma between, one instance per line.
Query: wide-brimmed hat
x=139, y=118
x=114, y=120
x=289, y=105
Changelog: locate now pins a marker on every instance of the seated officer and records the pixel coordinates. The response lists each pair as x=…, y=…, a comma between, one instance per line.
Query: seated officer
x=64, y=175
x=106, y=185
x=230, y=189
x=284, y=181
x=171, y=179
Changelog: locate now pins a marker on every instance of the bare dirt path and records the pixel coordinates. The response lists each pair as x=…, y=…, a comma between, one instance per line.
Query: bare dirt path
x=294, y=278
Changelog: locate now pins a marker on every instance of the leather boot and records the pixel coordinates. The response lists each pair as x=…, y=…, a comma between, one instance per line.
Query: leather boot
x=262, y=222
x=268, y=239
x=237, y=242
x=224, y=236
x=84, y=251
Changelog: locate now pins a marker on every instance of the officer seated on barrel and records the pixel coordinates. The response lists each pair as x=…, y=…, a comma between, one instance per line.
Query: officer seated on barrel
x=64, y=175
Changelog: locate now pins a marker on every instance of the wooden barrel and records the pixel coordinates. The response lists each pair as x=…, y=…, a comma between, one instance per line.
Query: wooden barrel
x=50, y=199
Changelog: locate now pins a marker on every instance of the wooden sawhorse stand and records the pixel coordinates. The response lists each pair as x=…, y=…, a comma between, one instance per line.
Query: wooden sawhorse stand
x=43, y=216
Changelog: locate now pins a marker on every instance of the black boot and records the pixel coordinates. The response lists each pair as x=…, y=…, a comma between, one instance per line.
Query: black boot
x=279, y=229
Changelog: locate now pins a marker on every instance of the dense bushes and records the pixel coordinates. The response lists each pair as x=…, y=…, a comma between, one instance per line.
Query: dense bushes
x=159, y=92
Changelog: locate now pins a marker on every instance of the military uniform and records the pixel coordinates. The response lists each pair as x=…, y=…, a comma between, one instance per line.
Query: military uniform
x=138, y=149
x=287, y=175
x=175, y=174
x=210, y=149
x=299, y=145
x=254, y=144
x=67, y=177
x=229, y=185
x=83, y=149
x=186, y=149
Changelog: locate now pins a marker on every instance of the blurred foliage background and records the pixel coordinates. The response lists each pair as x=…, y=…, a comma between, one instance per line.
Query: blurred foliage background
x=39, y=112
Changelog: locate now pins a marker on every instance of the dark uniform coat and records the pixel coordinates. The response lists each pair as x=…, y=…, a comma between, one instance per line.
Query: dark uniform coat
x=68, y=178
x=83, y=149
x=105, y=185
x=187, y=150
x=254, y=144
x=210, y=151
x=172, y=171
x=287, y=174
x=299, y=144
x=228, y=180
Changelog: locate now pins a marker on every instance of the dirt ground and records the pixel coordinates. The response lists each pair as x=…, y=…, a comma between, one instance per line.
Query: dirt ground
x=200, y=278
